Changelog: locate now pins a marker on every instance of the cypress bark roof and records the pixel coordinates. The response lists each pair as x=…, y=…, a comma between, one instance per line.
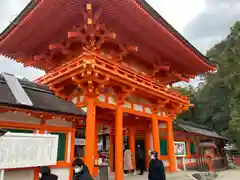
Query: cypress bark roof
x=30, y=34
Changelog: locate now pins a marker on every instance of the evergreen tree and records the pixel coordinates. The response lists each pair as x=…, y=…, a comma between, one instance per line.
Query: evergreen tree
x=217, y=101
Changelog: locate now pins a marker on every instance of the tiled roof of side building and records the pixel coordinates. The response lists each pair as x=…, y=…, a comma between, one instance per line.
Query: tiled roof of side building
x=42, y=98
x=198, y=129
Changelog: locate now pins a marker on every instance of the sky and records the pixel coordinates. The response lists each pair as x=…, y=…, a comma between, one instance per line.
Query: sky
x=202, y=22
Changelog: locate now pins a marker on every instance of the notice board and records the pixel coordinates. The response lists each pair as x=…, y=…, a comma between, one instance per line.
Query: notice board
x=20, y=150
x=180, y=149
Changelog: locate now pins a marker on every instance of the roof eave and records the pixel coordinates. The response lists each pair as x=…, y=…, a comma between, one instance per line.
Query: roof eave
x=207, y=129
x=143, y=4
x=30, y=6
x=19, y=106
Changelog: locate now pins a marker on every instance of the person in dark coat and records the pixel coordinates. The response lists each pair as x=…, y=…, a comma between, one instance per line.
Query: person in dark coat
x=141, y=162
x=45, y=174
x=156, y=168
x=81, y=171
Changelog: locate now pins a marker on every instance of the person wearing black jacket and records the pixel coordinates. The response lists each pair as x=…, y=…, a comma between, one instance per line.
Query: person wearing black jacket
x=141, y=159
x=156, y=168
x=45, y=174
x=81, y=171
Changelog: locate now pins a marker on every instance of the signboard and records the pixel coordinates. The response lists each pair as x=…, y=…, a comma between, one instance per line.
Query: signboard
x=79, y=141
x=19, y=150
x=180, y=149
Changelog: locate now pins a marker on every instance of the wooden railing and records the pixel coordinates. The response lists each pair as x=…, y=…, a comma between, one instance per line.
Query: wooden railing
x=115, y=70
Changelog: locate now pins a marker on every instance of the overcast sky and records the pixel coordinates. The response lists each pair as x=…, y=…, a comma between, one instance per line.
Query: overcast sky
x=202, y=22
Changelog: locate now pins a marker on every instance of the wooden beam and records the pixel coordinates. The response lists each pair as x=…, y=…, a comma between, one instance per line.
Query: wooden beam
x=42, y=59
x=76, y=80
x=75, y=34
x=56, y=46
x=131, y=48
x=39, y=57
x=158, y=68
x=56, y=89
x=190, y=75
x=29, y=63
x=181, y=77
x=61, y=47
x=164, y=67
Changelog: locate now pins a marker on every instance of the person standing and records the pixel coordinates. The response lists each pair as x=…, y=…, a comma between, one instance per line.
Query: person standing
x=81, y=171
x=141, y=162
x=45, y=174
x=156, y=168
x=127, y=161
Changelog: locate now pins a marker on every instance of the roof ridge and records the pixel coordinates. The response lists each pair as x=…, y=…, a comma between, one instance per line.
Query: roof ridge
x=18, y=18
x=201, y=126
x=43, y=99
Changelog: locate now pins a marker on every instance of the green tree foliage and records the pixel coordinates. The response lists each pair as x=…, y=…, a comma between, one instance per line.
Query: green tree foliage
x=190, y=92
x=217, y=102
x=227, y=78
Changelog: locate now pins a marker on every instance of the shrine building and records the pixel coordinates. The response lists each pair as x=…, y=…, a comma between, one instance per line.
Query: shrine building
x=115, y=61
x=55, y=116
x=46, y=113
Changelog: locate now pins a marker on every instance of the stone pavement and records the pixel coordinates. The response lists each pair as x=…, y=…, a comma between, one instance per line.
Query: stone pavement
x=170, y=176
x=232, y=174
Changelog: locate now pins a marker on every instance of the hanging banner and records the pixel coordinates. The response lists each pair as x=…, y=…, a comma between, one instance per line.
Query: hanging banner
x=180, y=149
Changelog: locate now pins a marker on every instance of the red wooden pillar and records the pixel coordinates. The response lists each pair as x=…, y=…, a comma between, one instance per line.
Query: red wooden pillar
x=119, y=143
x=96, y=156
x=171, y=153
x=188, y=148
x=90, y=129
x=155, y=134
